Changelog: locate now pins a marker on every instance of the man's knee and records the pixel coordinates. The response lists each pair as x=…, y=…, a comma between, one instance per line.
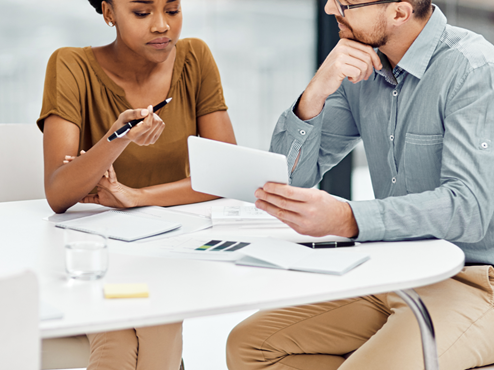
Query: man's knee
x=243, y=347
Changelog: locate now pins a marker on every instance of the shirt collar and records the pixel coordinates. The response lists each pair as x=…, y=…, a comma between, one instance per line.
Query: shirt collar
x=418, y=56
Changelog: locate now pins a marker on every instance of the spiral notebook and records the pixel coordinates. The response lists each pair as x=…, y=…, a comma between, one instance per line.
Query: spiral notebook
x=120, y=225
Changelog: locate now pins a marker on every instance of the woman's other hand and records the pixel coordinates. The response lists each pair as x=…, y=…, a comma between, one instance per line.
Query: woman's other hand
x=110, y=192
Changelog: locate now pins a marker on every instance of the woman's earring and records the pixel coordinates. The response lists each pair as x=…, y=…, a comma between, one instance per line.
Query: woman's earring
x=110, y=24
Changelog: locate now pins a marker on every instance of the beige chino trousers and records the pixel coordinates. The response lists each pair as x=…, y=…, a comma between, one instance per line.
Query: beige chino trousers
x=381, y=329
x=149, y=348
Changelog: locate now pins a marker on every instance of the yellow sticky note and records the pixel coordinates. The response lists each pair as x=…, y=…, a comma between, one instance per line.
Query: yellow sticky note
x=126, y=291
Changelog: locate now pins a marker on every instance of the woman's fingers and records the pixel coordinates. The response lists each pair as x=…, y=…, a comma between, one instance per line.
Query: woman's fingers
x=112, y=175
x=70, y=158
x=90, y=198
x=132, y=114
x=148, y=131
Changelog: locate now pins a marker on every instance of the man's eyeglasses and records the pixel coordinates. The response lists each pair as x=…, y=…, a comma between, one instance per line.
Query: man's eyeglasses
x=342, y=8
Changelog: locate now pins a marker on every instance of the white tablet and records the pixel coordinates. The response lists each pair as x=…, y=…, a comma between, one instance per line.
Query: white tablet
x=232, y=171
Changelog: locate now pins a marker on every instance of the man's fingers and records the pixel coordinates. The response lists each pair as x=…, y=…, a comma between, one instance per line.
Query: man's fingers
x=287, y=191
x=368, y=69
x=280, y=213
x=376, y=62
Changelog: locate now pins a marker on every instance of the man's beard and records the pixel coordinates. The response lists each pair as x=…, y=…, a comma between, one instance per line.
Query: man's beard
x=376, y=39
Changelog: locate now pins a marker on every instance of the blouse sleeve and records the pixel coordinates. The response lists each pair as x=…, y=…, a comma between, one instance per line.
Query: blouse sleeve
x=210, y=96
x=63, y=81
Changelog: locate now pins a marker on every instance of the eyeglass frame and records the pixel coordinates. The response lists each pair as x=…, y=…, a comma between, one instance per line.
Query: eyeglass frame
x=342, y=8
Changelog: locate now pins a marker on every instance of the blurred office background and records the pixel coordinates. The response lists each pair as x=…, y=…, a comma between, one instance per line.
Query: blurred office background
x=266, y=50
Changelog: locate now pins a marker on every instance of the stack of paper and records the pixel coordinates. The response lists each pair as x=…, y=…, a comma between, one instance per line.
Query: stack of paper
x=241, y=215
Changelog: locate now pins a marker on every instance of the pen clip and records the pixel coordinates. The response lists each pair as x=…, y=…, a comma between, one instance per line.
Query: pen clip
x=122, y=134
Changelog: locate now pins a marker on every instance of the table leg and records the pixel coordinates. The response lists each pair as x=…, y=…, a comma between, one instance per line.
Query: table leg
x=412, y=299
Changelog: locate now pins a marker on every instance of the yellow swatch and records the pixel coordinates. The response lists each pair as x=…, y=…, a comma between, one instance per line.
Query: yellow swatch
x=126, y=291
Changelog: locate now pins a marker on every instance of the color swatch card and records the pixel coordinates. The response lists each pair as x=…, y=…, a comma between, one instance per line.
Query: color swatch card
x=206, y=249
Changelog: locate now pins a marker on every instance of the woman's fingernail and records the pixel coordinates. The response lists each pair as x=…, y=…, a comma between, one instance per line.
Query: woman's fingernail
x=65, y=162
x=144, y=112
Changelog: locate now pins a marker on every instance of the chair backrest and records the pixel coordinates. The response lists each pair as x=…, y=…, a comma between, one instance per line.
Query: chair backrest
x=21, y=162
x=19, y=321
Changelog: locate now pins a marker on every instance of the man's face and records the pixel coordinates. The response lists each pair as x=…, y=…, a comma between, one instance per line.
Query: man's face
x=367, y=25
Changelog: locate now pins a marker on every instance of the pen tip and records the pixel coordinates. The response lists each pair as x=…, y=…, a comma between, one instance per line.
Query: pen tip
x=168, y=100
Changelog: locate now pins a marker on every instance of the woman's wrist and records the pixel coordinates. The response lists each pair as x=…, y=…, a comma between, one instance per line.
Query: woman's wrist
x=138, y=197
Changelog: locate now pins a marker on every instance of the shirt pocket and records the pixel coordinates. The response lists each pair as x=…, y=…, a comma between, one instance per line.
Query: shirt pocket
x=422, y=162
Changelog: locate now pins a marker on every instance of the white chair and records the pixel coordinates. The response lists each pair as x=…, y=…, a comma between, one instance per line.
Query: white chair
x=19, y=320
x=21, y=162
x=21, y=168
x=65, y=353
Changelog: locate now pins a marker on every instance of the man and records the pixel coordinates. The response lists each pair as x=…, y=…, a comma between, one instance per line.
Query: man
x=422, y=102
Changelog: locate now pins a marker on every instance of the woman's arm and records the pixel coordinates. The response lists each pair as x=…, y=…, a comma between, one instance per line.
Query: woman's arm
x=215, y=126
x=66, y=184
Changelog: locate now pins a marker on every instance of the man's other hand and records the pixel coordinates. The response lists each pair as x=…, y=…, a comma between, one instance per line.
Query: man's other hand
x=308, y=211
x=349, y=59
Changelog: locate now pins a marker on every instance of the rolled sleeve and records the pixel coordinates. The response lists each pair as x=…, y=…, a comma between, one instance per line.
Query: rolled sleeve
x=291, y=134
x=322, y=142
x=368, y=216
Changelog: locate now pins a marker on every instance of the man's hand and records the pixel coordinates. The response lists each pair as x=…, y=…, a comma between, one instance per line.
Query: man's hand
x=350, y=59
x=307, y=211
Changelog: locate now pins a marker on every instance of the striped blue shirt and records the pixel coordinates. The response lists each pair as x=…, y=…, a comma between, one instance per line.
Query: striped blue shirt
x=427, y=129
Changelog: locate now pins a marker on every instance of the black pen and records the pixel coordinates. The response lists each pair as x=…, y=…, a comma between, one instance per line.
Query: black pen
x=122, y=131
x=341, y=244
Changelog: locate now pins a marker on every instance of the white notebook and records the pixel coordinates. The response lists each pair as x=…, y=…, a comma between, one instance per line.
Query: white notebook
x=280, y=254
x=120, y=225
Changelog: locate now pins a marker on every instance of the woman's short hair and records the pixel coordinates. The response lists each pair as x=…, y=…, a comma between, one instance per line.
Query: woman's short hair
x=97, y=4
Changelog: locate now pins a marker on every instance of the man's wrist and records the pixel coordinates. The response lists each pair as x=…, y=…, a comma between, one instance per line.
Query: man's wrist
x=350, y=225
x=310, y=105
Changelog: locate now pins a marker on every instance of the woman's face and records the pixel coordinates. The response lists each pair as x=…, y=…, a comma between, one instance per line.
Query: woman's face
x=149, y=28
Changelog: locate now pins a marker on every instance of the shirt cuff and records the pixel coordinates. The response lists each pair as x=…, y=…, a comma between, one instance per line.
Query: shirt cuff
x=369, y=220
x=301, y=130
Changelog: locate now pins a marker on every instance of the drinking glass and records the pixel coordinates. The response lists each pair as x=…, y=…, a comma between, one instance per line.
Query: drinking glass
x=86, y=254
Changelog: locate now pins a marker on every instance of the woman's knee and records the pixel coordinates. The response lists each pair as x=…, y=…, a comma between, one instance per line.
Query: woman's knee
x=113, y=350
x=113, y=339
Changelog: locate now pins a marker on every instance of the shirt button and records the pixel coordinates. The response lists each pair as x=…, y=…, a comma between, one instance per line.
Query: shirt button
x=395, y=93
x=392, y=137
x=485, y=145
x=302, y=132
x=393, y=180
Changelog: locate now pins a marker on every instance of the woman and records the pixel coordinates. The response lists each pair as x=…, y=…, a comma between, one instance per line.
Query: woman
x=85, y=92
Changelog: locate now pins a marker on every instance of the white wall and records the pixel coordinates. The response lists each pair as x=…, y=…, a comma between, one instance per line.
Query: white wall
x=264, y=48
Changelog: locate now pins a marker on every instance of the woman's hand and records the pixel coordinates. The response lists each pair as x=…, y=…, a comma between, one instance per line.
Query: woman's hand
x=110, y=192
x=144, y=133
